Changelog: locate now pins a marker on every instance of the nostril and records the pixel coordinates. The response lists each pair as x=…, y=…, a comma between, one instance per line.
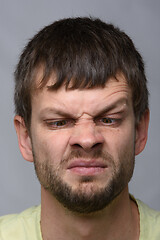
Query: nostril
x=80, y=146
x=77, y=145
x=96, y=145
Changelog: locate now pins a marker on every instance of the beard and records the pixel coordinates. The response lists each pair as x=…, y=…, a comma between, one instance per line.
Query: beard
x=88, y=197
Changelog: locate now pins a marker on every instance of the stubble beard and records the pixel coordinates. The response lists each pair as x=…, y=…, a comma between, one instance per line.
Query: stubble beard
x=86, y=198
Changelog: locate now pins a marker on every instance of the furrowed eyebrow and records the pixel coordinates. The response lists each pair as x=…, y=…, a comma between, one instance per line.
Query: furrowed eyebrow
x=56, y=112
x=120, y=105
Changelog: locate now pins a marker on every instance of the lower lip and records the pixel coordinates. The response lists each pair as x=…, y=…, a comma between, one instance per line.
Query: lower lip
x=87, y=170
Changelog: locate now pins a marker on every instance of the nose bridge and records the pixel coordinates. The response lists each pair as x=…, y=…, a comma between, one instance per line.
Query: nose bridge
x=85, y=127
x=85, y=134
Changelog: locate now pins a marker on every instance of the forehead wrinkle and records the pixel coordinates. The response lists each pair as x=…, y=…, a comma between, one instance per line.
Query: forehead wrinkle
x=112, y=95
x=120, y=104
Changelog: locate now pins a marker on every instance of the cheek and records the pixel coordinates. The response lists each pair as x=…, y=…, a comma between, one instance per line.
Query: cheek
x=119, y=141
x=51, y=146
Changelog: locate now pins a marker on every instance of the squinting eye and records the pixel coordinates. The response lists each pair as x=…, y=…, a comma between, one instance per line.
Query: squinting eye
x=107, y=120
x=59, y=123
x=56, y=124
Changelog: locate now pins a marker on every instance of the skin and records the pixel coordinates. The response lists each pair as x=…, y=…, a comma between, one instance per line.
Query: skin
x=85, y=121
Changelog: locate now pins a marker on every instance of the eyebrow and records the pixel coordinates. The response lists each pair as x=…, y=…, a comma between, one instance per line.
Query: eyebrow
x=121, y=104
x=61, y=112
x=57, y=111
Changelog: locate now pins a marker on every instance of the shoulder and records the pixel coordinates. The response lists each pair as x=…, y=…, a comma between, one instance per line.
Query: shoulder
x=149, y=222
x=20, y=226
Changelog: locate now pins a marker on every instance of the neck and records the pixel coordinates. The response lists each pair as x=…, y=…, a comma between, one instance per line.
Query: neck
x=119, y=220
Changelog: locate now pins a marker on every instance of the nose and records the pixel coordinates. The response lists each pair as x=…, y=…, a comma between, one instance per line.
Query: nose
x=86, y=136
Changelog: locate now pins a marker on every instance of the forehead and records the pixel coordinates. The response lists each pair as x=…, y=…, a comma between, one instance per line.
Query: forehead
x=116, y=92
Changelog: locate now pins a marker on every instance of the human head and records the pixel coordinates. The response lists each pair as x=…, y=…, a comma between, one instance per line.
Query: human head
x=82, y=53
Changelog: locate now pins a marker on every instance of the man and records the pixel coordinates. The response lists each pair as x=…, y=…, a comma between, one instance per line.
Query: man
x=82, y=115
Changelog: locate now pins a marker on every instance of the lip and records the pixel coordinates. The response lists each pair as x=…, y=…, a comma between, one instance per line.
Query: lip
x=87, y=167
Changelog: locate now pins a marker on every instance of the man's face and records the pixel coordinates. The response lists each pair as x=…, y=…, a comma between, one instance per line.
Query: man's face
x=83, y=143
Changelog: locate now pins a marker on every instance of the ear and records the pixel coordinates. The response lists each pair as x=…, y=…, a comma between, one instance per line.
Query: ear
x=24, y=140
x=142, y=133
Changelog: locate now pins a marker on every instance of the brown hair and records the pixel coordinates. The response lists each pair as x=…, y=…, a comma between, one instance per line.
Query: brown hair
x=83, y=53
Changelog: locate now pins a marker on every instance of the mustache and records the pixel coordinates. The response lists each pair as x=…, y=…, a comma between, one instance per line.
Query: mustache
x=96, y=154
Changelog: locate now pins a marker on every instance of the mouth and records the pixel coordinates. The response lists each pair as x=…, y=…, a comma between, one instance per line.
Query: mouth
x=87, y=167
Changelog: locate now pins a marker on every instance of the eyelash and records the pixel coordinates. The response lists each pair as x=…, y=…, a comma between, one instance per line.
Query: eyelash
x=56, y=124
x=110, y=121
x=64, y=123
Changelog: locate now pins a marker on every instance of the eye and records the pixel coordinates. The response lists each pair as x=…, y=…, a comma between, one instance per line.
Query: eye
x=58, y=124
x=107, y=120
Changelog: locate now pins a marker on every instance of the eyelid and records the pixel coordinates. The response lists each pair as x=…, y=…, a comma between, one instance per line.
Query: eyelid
x=109, y=118
x=52, y=123
x=115, y=118
x=117, y=114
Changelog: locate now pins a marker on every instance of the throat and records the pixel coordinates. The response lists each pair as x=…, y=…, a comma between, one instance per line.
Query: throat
x=118, y=221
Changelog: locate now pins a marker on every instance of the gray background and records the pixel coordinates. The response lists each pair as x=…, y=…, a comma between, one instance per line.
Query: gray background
x=19, y=21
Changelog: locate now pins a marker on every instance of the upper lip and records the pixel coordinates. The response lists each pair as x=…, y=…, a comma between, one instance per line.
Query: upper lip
x=87, y=164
